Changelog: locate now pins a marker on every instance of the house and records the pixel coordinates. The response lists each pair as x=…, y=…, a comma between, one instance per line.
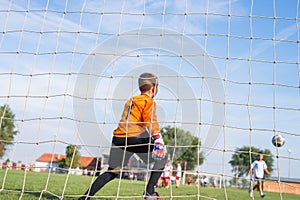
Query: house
x=50, y=162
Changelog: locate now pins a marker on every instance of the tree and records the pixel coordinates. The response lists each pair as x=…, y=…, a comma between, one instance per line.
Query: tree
x=72, y=157
x=7, y=128
x=240, y=160
x=183, y=147
x=245, y=183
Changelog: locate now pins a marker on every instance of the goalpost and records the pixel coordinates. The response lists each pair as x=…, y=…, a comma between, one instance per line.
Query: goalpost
x=228, y=74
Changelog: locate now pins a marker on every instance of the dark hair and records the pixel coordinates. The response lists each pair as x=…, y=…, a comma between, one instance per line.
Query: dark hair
x=146, y=81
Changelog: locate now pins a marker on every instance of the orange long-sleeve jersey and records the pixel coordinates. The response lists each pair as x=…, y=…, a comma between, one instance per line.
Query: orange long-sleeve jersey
x=139, y=115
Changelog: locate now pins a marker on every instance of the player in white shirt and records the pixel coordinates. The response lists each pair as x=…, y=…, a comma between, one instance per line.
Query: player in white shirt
x=258, y=168
x=167, y=173
x=178, y=174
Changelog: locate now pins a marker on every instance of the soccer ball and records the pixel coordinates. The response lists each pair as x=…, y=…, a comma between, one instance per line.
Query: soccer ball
x=278, y=140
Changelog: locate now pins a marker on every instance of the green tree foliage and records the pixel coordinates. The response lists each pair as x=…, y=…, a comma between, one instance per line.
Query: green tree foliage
x=182, y=146
x=242, y=158
x=244, y=183
x=7, y=128
x=71, y=154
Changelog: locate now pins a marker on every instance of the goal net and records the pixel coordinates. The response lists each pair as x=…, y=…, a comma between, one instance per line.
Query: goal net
x=228, y=74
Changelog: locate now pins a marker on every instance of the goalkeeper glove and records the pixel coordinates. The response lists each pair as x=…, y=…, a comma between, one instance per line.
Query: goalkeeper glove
x=159, y=150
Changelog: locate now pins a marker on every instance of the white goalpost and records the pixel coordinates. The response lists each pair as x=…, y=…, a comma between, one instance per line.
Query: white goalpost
x=228, y=75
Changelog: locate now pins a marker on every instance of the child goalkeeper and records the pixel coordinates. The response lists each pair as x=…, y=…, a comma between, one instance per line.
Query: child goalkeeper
x=138, y=132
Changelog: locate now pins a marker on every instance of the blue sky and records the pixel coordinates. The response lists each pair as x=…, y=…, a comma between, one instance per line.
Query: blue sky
x=38, y=34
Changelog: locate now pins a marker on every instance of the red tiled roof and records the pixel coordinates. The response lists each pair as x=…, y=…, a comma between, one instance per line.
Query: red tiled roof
x=47, y=157
x=86, y=160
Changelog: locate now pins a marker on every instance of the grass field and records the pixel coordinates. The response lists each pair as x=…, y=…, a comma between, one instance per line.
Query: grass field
x=76, y=185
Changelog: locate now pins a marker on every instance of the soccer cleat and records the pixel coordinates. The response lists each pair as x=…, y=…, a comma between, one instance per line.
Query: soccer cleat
x=154, y=196
x=251, y=193
x=262, y=195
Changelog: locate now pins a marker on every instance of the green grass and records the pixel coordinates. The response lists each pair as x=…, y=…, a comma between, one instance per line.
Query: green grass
x=77, y=185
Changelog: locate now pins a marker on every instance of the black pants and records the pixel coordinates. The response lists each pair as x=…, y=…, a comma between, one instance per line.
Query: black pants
x=121, y=150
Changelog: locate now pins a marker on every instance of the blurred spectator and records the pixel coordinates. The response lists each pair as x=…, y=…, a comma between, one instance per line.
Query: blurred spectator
x=190, y=180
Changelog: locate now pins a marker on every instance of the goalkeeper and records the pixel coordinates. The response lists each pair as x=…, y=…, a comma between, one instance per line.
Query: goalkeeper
x=138, y=132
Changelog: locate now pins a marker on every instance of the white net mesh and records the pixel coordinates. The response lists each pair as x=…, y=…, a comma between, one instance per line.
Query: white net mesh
x=228, y=73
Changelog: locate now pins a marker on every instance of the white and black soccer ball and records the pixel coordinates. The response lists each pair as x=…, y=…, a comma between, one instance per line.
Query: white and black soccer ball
x=278, y=140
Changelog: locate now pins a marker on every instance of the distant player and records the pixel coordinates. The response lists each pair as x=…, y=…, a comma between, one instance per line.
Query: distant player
x=167, y=173
x=138, y=132
x=178, y=174
x=257, y=168
x=204, y=181
x=190, y=180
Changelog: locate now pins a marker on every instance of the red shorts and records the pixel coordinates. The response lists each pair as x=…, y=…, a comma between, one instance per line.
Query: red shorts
x=177, y=178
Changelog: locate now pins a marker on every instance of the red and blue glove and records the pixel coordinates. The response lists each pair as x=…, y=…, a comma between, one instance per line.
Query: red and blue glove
x=159, y=150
